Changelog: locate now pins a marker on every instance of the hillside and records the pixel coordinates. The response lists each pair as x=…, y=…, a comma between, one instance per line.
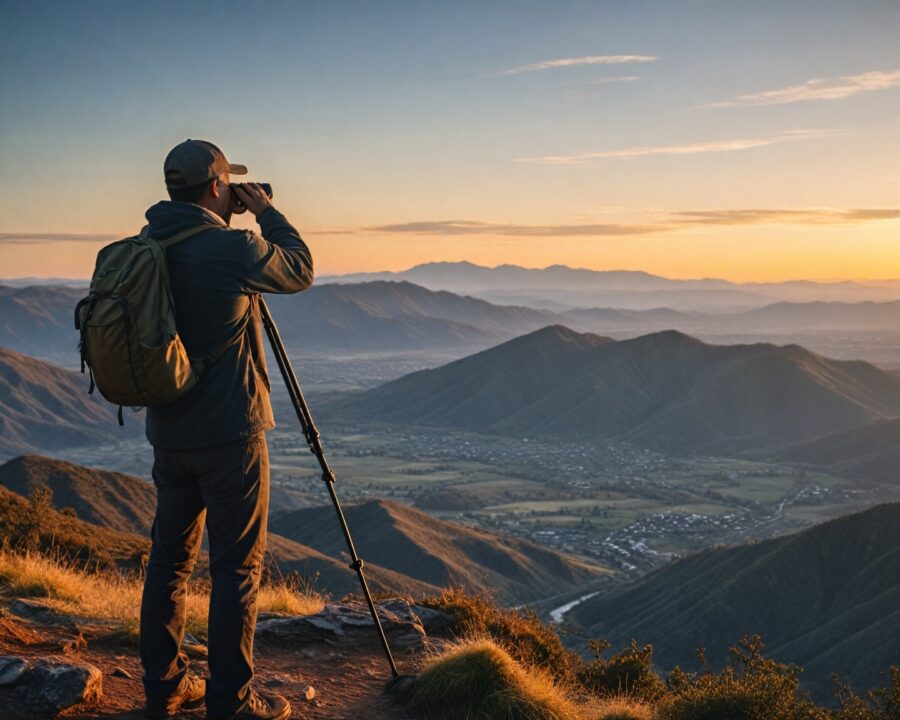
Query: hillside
x=118, y=504
x=870, y=452
x=119, y=509
x=39, y=525
x=109, y=499
x=440, y=553
x=821, y=315
x=43, y=406
x=665, y=390
x=826, y=598
x=38, y=320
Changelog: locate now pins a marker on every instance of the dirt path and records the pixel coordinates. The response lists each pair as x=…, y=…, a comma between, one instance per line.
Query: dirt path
x=348, y=681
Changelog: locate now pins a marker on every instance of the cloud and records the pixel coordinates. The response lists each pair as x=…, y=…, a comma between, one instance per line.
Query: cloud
x=578, y=61
x=818, y=89
x=802, y=216
x=672, y=221
x=711, y=146
x=8, y=238
x=477, y=227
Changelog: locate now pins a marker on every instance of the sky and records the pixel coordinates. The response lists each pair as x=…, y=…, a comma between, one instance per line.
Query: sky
x=747, y=141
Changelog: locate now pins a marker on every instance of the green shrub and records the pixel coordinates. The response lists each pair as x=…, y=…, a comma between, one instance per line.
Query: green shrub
x=750, y=687
x=883, y=704
x=629, y=672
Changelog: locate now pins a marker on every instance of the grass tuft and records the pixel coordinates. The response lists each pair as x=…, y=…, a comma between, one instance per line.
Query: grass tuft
x=479, y=679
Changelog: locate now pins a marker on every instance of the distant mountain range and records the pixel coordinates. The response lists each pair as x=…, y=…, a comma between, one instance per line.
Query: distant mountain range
x=441, y=553
x=827, y=598
x=665, y=390
x=393, y=539
x=47, y=407
x=618, y=288
x=392, y=317
x=395, y=316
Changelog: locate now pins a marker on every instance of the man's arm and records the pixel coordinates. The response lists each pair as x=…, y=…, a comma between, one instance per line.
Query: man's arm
x=279, y=261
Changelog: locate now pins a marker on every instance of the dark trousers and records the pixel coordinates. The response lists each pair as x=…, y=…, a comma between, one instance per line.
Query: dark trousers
x=230, y=485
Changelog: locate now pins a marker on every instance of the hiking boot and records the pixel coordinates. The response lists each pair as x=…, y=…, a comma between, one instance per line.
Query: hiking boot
x=191, y=695
x=260, y=707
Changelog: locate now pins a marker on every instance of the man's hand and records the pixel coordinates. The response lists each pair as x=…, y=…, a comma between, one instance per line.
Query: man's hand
x=252, y=195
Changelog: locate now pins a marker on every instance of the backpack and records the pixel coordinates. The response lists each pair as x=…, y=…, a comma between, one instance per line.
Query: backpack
x=129, y=341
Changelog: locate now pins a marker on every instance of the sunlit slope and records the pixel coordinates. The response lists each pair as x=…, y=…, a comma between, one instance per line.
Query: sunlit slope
x=24, y=523
x=827, y=598
x=45, y=406
x=122, y=506
x=665, y=389
x=112, y=500
x=118, y=510
x=440, y=553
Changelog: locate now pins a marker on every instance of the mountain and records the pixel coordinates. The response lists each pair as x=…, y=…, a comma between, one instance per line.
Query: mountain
x=395, y=316
x=664, y=389
x=827, y=598
x=43, y=406
x=374, y=316
x=580, y=287
x=439, y=553
x=870, y=452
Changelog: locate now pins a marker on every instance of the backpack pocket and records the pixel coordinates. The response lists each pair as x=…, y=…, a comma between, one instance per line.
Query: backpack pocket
x=112, y=349
x=167, y=371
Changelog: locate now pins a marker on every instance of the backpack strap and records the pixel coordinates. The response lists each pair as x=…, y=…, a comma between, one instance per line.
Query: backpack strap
x=177, y=237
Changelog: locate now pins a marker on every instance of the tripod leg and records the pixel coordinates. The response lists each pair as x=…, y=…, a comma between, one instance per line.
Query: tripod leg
x=315, y=445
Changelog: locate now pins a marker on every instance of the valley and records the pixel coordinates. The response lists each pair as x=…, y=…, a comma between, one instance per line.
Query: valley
x=609, y=503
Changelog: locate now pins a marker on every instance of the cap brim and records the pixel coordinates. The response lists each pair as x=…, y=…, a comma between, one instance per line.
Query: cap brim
x=237, y=169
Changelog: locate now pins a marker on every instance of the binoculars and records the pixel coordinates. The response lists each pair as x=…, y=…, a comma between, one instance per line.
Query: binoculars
x=267, y=189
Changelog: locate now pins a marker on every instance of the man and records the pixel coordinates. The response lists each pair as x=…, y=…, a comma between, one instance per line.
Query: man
x=209, y=446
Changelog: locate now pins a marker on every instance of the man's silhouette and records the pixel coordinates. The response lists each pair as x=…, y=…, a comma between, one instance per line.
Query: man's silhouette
x=209, y=446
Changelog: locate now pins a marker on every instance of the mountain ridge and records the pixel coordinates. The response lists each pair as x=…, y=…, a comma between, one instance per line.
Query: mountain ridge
x=800, y=592
x=664, y=389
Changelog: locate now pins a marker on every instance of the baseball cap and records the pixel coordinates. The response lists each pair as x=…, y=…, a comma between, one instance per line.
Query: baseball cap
x=196, y=161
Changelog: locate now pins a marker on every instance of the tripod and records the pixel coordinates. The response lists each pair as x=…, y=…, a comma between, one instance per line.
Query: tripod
x=315, y=446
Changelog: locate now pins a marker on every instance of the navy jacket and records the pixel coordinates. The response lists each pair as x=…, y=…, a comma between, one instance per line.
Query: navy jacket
x=216, y=276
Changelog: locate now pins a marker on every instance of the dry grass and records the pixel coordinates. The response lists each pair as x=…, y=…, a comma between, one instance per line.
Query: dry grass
x=479, y=679
x=622, y=708
x=116, y=599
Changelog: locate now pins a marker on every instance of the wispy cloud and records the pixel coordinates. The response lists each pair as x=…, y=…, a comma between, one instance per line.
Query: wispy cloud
x=818, y=89
x=477, y=227
x=8, y=238
x=801, y=216
x=605, y=81
x=671, y=221
x=710, y=146
x=578, y=61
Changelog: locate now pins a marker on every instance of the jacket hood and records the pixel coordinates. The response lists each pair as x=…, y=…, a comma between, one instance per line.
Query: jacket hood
x=167, y=218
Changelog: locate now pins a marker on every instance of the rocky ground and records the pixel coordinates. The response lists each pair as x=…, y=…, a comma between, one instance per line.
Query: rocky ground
x=330, y=666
